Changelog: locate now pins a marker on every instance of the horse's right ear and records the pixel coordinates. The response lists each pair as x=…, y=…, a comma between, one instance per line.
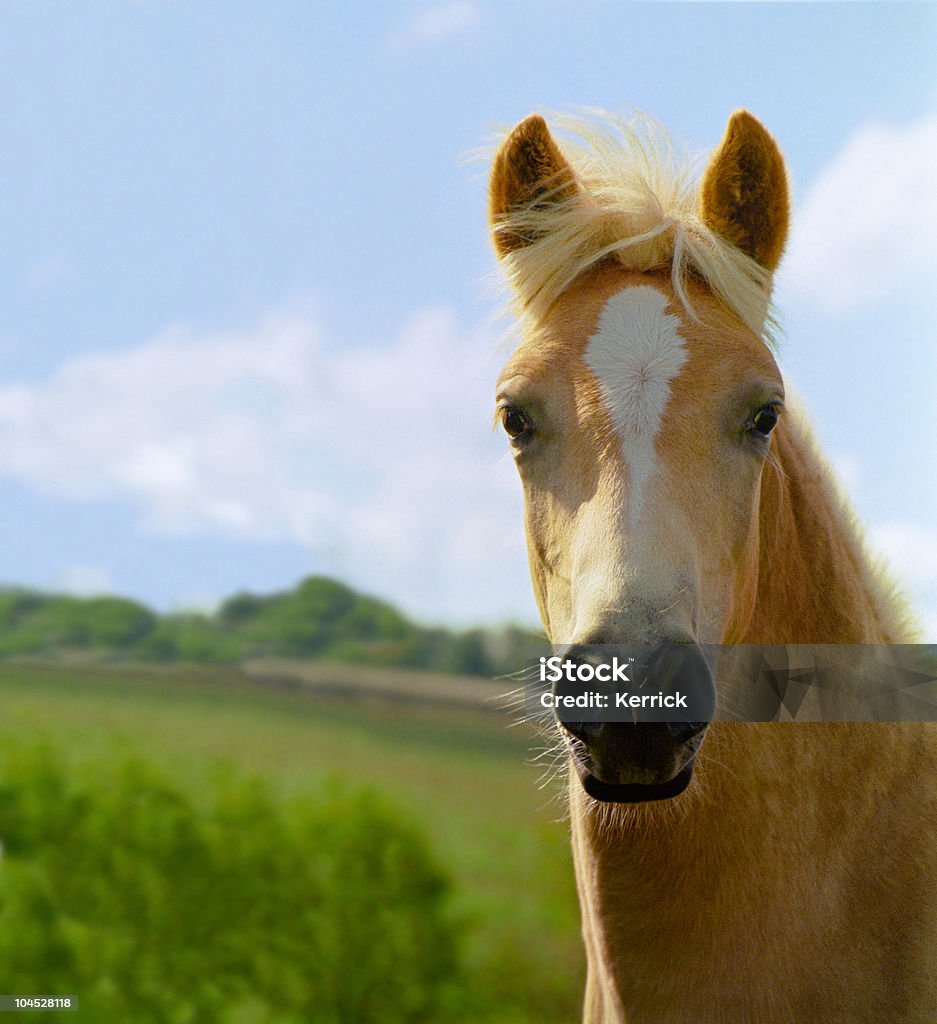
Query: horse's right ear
x=528, y=174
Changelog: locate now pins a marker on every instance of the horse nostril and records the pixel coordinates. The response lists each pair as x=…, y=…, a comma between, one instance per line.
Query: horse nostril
x=578, y=653
x=683, y=732
x=571, y=716
x=683, y=667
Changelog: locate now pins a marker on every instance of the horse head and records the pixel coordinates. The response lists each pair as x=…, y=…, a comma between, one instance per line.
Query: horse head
x=640, y=408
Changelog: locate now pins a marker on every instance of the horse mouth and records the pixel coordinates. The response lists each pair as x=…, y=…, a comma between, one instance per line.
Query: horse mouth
x=626, y=748
x=632, y=792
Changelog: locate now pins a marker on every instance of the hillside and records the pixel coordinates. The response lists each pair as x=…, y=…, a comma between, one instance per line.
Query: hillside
x=320, y=619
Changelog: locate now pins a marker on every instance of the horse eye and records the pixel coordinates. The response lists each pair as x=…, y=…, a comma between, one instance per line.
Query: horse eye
x=516, y=425
x=764, y=421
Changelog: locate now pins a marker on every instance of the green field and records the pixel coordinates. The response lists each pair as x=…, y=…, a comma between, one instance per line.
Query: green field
x=463, y=778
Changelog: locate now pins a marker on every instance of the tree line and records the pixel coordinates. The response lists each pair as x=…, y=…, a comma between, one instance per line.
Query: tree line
x=321, y=618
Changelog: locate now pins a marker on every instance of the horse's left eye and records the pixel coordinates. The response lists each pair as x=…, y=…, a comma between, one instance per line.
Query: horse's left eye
x=764, y=421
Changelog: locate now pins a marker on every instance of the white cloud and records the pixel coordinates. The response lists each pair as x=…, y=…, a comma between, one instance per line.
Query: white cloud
x=868, y=223
x=379, y=460
x=435, y=24
x=910, y=550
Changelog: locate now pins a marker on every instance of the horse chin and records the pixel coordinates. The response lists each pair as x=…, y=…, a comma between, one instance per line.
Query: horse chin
x=633, y=792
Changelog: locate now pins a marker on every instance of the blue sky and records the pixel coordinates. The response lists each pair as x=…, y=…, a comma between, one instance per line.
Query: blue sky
x=245, y=302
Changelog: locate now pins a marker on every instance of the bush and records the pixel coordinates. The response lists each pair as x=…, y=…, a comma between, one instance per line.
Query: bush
x=31, y=623
x=191, y=637
x=116, y=889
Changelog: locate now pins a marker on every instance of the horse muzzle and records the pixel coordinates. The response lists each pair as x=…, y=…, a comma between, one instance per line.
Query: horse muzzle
x=634, y=716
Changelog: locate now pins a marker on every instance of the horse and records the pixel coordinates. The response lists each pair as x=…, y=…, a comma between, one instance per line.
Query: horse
x=728, y=872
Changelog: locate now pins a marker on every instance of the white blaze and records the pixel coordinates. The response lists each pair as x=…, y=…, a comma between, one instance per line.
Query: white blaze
x=635, y=353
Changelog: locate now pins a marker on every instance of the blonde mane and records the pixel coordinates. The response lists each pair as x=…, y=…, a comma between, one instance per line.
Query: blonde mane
x=637, y=203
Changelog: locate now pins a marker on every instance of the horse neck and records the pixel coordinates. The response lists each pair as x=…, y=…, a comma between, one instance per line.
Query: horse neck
x=808, y=578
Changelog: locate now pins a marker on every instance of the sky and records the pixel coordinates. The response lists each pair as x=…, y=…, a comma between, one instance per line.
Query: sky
x=247, y=298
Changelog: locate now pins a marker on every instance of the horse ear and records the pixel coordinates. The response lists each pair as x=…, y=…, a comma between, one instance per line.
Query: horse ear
x=744, y=195
x=529, y=173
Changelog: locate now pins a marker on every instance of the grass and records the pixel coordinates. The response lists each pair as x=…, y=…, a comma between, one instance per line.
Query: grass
x=462, y=776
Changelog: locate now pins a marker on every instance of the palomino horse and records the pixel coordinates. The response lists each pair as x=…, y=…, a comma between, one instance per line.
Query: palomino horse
x=728, y=873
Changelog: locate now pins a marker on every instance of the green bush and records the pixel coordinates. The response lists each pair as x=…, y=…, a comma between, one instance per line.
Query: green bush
x=33, y=622
x=116, y=888
x=191, y=637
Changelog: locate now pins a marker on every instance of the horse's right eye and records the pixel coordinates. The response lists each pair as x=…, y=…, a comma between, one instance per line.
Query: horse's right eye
x=516, y=425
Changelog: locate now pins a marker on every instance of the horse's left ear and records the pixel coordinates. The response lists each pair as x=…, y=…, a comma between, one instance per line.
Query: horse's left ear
x=744, y=195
